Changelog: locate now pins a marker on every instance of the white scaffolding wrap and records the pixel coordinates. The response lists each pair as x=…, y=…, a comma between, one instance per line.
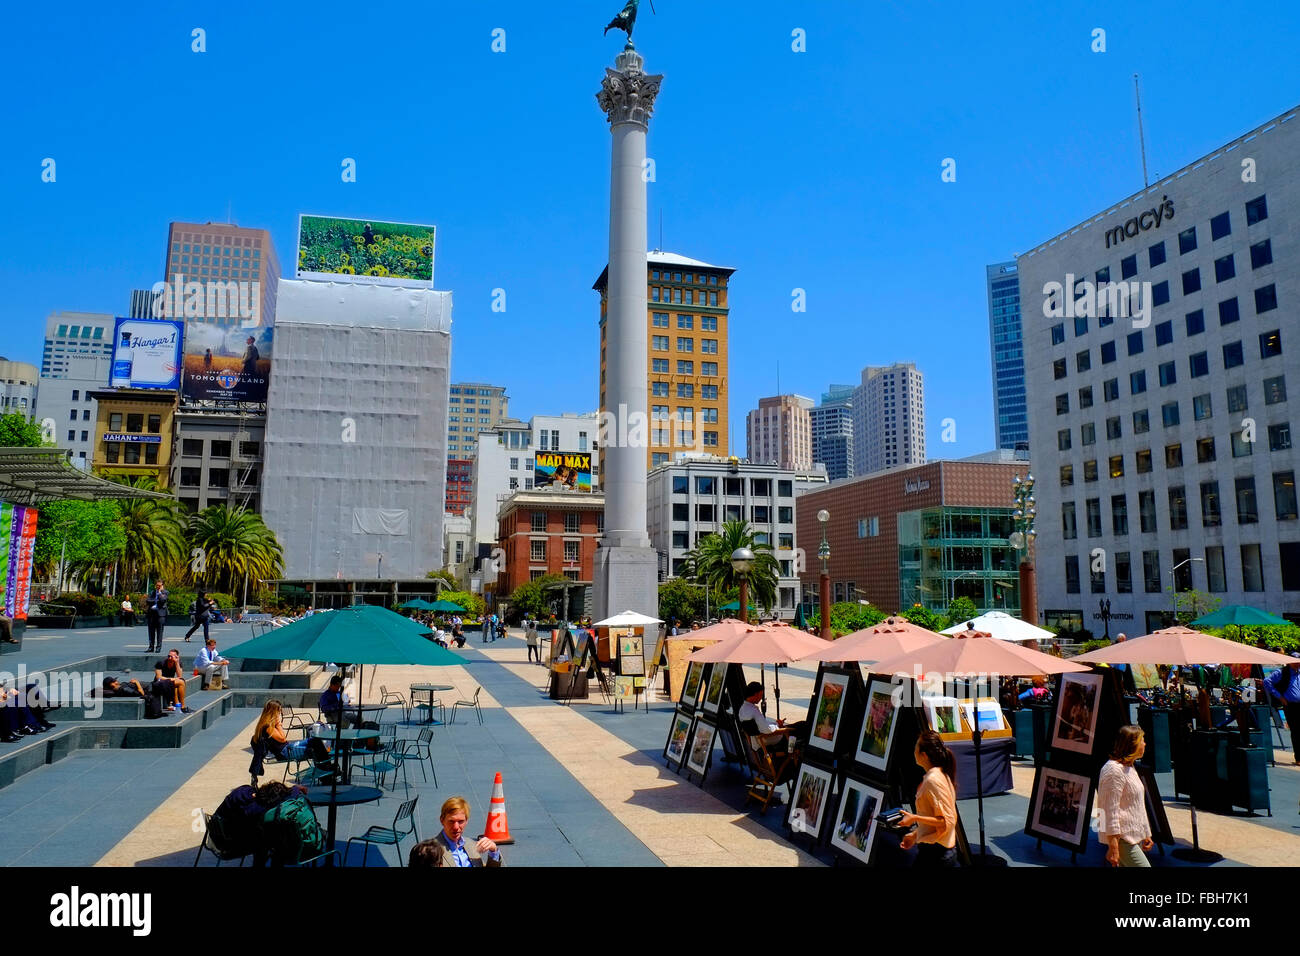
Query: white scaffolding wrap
x=356, y=431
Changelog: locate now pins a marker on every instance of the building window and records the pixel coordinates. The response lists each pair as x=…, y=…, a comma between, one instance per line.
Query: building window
x=1247, y=506
x=1090, y=470
x=685, y=344
x=1119, y=514
x=1062, y=404
x=572, y=523
x=113, y=449
x=1279, y=437
x=1147, y=511
x=1211, y=513
x=1113, y=430
x=660, y=366
x=1081, y=326
x=1261, y=254
x=1137, y=382
x=1224, y=268
x=1174, y=455
x=1191, y=281
x=1252, y=568
x=1117, y=466
x=1110, y=389
x=1284, y=496
x=1274, y=390
x=1058, y=369
x=706, y=484
x=1240, y=447
x=1093, y=508
x=115, y=425
x=659, y=343
x=659, y=320
x=1178, y=508
x=1198, y=364
x=1087, y=434
x=218, y=478
x=685, y=390
x=537, y=550
x=760, y=514
x=1217, y=579
x=538, y=521
x=1160, y=293
x=1083, y=361
x=1085, y=397
x=1270, y=344
x=1135, y=343
x=1195, y=322
x=1229, y=311
x=1071, y=574
x=705, y=513
x=1128, y=267
x=572, y=551
x=1237, y=397
x=1256, y=211
x=1201, y=407
x=1142, y=461
x=1164, y=333
x=1123, y=574
x=1063, y=439
x=1220, y=226
x=1168, y=375
x=1069, y=526
x=785, y=514
x=1156, y=255
x=1205, y=449
x=1151, y=572
x=1107, y=352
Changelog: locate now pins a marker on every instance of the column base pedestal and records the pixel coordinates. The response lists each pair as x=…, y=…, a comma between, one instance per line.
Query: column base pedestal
x=625, y=579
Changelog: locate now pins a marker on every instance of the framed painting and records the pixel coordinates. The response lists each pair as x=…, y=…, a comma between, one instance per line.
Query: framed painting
x=877, y=726
x=855, y=827
x=679, y=734
x=713, y=691
x=812, y=795
x=943, y=716
x=1161, y=831
x=700, y=751
x=624, y=689
x=631, y=659
x=691, y=687
x=1075, y=727
x=1060, y=808
x=831, y=692
x=991, y=719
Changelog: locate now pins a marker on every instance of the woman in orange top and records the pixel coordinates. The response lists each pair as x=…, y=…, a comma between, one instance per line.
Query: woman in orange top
x=936, y=805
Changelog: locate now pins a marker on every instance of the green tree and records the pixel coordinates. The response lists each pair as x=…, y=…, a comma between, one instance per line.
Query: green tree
x=472, y=603
x=921, y=616
x=154, y=532
x=710, y=563
x=442, y=574
x=86, y=534
x=534, y=598
x=1191, y=604
x=19, y=431
x=848, y=616
x=960, y=611
x=680, y=599
x=236, y=545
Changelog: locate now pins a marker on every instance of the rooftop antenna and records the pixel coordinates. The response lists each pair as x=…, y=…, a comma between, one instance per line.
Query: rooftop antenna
x=1142, y=143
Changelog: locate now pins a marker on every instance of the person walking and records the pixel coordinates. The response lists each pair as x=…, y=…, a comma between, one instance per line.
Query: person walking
x=1121, y=800
x=935, y=836
x=534, y=644
x=203, y=606
x=156, y=616
x=1284, y=692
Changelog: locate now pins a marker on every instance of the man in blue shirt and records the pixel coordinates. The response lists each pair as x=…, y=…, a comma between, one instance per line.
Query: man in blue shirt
x=331, y=702
x=1284, y=688
x=454, y=816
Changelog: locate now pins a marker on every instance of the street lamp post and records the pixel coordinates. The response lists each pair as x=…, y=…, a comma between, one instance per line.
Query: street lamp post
x=742, y=559
x=1173, y=587
x=1104, y=607
x=1022, y=539
x=824, y=582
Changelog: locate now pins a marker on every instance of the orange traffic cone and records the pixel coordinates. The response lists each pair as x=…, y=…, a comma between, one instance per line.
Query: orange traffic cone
x=498, y=831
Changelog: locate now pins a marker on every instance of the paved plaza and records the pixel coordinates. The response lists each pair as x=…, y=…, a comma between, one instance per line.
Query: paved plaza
x=584, y=786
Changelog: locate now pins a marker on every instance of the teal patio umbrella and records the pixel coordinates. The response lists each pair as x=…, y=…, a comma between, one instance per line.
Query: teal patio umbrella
x=417, y=604
x=730, y=606
x=450, y=607
x=799, y=620
x=361, y=634
x=1239, y=615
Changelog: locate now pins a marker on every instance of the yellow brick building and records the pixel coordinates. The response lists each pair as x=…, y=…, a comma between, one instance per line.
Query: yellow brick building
x=134, y=432
x=686, y=329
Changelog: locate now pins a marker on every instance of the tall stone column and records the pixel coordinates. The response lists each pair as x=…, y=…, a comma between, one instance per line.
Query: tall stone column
x=626, y=568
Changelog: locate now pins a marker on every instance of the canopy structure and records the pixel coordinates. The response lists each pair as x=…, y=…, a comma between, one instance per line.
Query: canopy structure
x=1184, y=647
x=418, y=604
x=1239, y=615
x=1002, y=626
x=34, y=476
x=628, y=619
x=889, y=638
x=441, y=604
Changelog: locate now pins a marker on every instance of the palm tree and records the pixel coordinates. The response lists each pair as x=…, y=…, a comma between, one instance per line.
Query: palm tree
x=710, y=562
x=236, y=544
x=154, y=530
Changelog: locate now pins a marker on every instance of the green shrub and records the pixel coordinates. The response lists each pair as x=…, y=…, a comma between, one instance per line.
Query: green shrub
x=87, y=605
x=1094, y=645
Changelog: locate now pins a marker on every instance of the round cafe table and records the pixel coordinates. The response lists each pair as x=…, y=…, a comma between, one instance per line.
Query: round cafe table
x=346, y=739
x=429, y=689
x=322, y=795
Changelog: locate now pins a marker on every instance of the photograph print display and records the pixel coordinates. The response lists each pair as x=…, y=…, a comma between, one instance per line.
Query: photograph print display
x=679, y=733
x=1076, y=717
x=1060, y=807
x=878, y=726
x=812, y=792
x=691, y=687
x=701, y=747
x=943, y=715
x=990, y=714
x=855, y=827
x=713, y=694
x=830, y=706
x=631, y=656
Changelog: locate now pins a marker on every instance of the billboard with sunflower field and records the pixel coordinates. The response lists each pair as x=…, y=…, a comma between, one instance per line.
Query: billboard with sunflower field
x=387, y=253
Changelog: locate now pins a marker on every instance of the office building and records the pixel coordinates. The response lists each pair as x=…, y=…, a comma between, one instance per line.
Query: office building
x=551, y=532
x=355, y=451
x=218, y=459
x=142, y=304
x=687, y=325
x=925, y=535
x=1162, y=368
x=76, y=361
x=460, y=485
x=832, y=432
x=134, y=431
x=888, y=419
x=473, y=407
x=779, y=432
x=1010, y=418
x=18, y=382
x=691, y=497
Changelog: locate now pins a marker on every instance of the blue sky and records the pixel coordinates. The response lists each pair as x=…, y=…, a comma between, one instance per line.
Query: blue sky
x=817, y=170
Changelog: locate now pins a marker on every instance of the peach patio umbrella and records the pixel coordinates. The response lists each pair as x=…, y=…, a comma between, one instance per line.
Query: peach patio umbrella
x=1185, y=647
x=761, y=644
x=889, y=638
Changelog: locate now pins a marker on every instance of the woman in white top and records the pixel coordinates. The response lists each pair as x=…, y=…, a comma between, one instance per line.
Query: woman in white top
x=1122, y=799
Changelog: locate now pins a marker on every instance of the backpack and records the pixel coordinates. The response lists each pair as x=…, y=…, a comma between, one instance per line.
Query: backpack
x=153, y=705
x=292, y=831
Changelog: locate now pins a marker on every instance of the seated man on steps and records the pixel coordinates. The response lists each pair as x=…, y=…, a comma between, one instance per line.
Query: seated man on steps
x=167, y=672
x=211, y=664
x=774, y=734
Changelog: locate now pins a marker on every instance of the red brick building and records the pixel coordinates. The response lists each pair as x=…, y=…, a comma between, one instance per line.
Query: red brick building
x=460, y=485
x=925, y=534
x=549, y=532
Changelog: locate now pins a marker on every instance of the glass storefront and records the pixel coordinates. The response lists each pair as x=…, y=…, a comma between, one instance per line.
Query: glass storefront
x=947, y=553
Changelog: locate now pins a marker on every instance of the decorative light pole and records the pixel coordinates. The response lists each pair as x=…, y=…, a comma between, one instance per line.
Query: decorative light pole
x=1103, y=606
x=1022, y=539
x=742, y=559
x=824, y=583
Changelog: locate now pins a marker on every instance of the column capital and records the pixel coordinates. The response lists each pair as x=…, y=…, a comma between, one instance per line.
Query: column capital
x=627, y=94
